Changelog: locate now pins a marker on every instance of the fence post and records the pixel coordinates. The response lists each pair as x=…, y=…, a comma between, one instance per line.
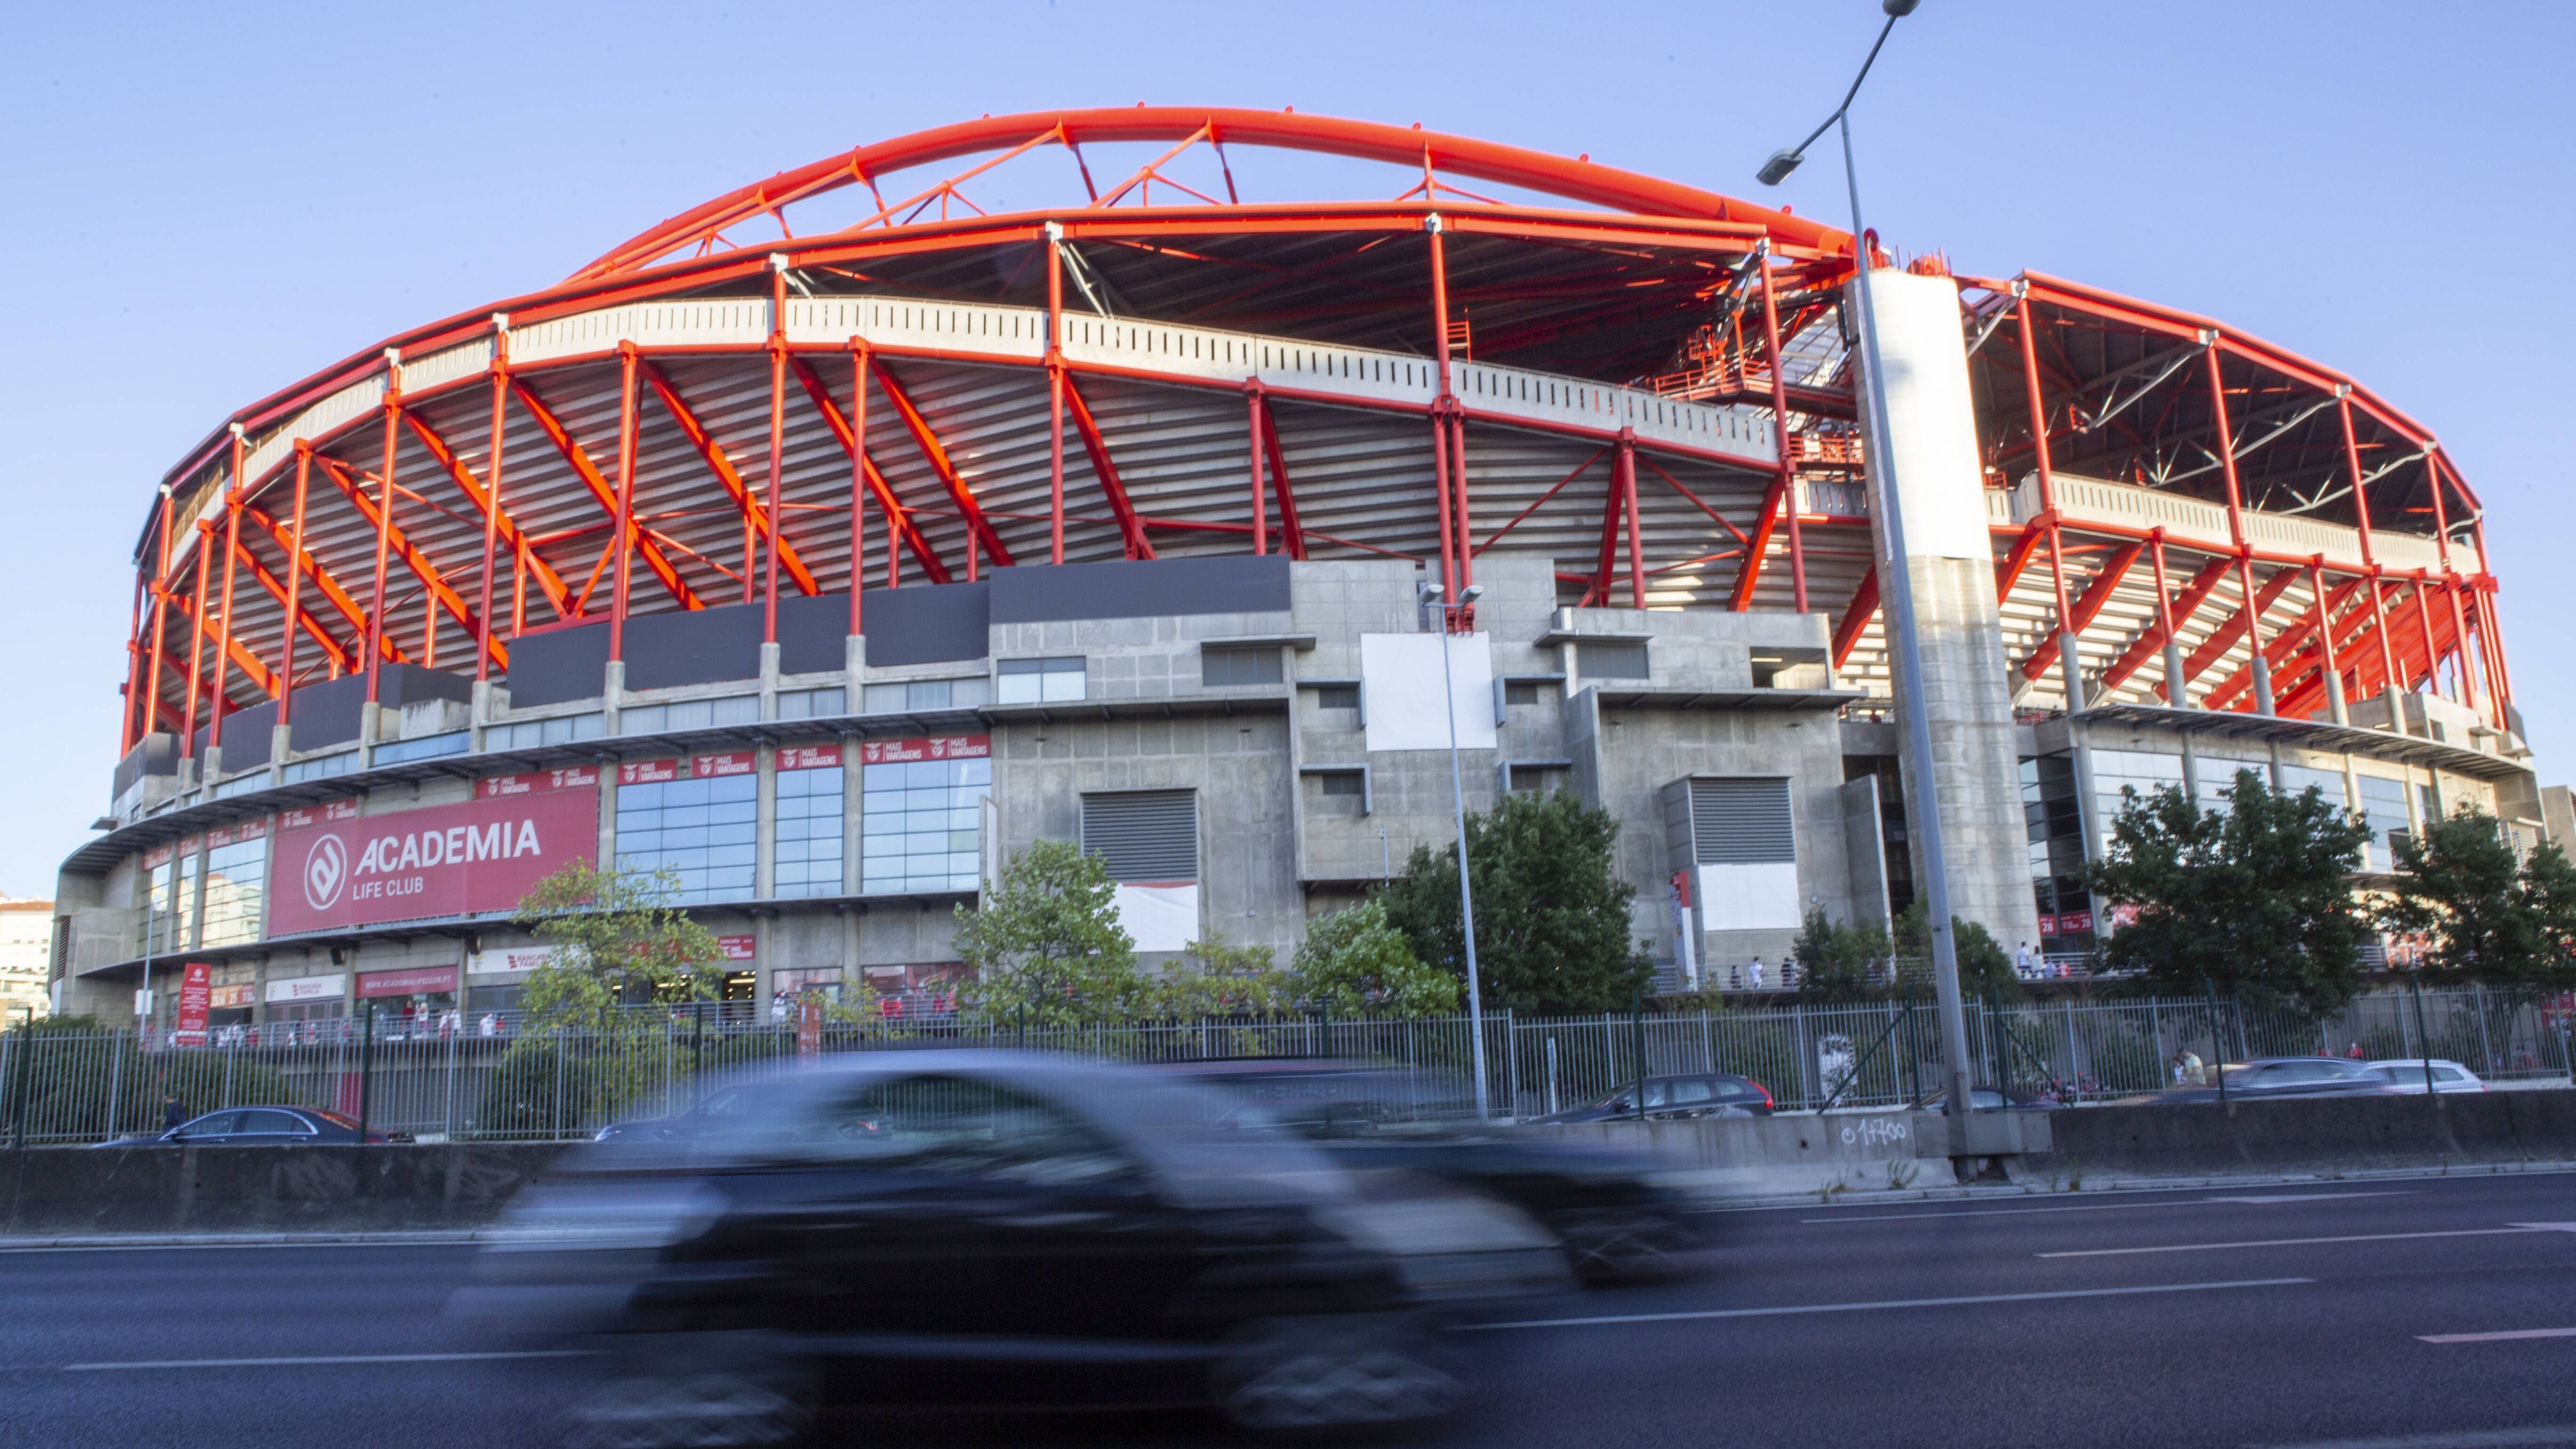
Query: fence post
x=115, y=1077
x=1806, y=1063
x=555, y=1121
x=229, y=1055
x=21, y=1049
x=452, y=1049
x=2486, y=1043
x=2217, y=1046
x=366, y=1071
x=1512, y=1064
x=2415, y=983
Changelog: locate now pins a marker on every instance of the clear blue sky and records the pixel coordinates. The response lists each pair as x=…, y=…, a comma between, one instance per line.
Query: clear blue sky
x=207, y=203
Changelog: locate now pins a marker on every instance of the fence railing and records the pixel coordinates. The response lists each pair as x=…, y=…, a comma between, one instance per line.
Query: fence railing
x=61, y=1087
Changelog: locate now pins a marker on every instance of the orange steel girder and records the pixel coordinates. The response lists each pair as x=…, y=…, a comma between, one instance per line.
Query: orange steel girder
x=2018, y=557
x=341, y=658
x=2283, y=649
x=1757, y=549
x=232, y=649
x=937, y=456
x=722, y=466
x=2086, y=607
x=2224, y=637
x=1856, y=618
x=549, y=582
x=1291, y=531
x=1130, y=527
x=339, y=597
x=2186, y=602
x=606, y=496
x=898, y=517
x=2292, y=678
x=417, y=561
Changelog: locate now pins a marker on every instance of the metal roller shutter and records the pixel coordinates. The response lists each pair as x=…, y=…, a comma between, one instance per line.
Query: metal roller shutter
x=1145, y=835
x=1742, y=822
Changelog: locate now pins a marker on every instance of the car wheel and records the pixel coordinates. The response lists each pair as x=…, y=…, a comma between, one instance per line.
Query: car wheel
x=710, y=1396
x=1311, y=1374
x=1610, y=1247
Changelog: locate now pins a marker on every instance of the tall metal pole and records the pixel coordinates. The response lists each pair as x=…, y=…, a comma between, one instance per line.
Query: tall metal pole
x=1898, y=589
x=1466, y=892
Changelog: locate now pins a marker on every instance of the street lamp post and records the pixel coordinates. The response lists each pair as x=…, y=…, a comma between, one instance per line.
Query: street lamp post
x=1431, y=597
x=1899, y=593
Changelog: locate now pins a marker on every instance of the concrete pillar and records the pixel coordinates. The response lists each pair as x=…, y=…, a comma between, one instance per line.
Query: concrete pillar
x=281, y=743
x=2263, y=685
x=1950, y=556
x=2396, y=708
x=769, y=680
x=371, y=721
x=612, y=695
x=479, y=714
x=2177, y=692
x=764, y=849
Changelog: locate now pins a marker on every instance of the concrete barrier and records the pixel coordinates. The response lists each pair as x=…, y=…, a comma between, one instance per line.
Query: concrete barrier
x=66, y=1191
x=1794, y=1153
x=2321, y=1135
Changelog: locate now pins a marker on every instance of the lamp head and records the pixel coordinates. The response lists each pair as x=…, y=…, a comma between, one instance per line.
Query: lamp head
x=1898, y=9
x=1777, y=169
x=1471, y=593
x=1431, y=593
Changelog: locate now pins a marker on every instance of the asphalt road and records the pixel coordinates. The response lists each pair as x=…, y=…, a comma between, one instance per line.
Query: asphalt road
x=2407, y=1314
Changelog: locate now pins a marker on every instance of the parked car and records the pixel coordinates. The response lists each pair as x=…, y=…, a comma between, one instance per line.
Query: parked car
x=2407, y=1075
x=981, y=1227
x=2269, y=1077
x=1618, y=1216
x=1989, y=1099
x=258, y=1127
x=1700, y=1094
x=712, y=1113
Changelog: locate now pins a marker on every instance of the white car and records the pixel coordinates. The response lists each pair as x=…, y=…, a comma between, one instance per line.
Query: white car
x=2407, y=1075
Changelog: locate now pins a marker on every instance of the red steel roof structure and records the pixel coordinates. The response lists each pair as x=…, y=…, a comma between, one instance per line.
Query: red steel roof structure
x=856, y=371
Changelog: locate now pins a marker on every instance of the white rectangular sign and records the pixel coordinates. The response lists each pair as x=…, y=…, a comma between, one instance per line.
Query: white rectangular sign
x=1939, y=481
x=1159, y=917
x=309, y=988
x=1411, y=702
x=1750, y=897
x=518, y=962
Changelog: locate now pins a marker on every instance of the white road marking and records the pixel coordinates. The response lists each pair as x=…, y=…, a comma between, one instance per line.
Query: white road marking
x=2292, y=1242
x=180, y=1363
x=2497, y=1337
x=2097, y=1207
x=2532, y=1438
x=1886, y=1303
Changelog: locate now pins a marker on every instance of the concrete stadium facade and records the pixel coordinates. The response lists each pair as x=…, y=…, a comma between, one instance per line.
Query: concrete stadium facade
x=827, y=569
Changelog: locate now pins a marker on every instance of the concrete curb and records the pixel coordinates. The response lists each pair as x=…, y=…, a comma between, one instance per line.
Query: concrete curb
x=237, y=1240
x=2106, y=1186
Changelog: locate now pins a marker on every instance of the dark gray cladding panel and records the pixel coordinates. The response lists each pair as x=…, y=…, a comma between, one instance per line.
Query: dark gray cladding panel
x=157, y=754
x=699, y=646
x=401, y=684
x=1231, y=584
x=928, y=623
x=328, y=713
x=555, y=666
x=811, y=633
x=246, y=737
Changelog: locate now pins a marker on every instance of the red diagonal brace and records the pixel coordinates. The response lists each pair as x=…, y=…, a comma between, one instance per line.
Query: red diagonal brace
x=507, y=530
x=232, y=649
x=414, y=559
x=341, y=658
x=722, y=466
x=2018, y=557
x=606, y=495
x=2284, y=652
x=937, y=456
x=1757, y=549
x=2224, y=637
x=2085, y=608
x=1856, y=618
x=1289, y=529
x=2185, y=602
x=339, y=597
x=1130, y=527
x=898, y=516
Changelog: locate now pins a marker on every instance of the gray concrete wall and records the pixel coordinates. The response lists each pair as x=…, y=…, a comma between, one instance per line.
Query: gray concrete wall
x=76, y=1190
x=1975, y=755
x=2324, y=1135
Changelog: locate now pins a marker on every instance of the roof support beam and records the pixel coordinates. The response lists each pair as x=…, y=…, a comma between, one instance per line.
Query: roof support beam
x=2087, y=606
x=1864, y=604
x=898, y=518
x=311, y=567
x=418, y=562
x=1291, y=531
x=2224, y=637
x=2180, y=608
x=505, y=529
x=979, y=531
x=604, y=494
x=1131, y=529
x=754, y=517
x=206, y=631
x=342, y=659
x=2017, y=558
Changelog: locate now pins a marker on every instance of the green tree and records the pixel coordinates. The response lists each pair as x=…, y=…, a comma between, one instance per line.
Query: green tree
x=2489, y=914
x=617, y=939
x=1354, y=963
x=1223, y=980
x=2254, y=901
x=1552, y=915
x=1046, y=945
x=1985, y=972
x=1839, y=961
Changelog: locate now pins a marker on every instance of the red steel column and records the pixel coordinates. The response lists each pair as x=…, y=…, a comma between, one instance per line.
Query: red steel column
x=384, y=521
x=2236, y=527
x=2495, y=619
x=1450, y=577
x=1260, y=502
x=1055, y=402
x=491, y=493
x=294, y=584
x=2335, y=699
x=1780, y=432
x=224, y=611
x=2070, y=669
x=2424, y=626
x=196, y=635
x=160, y=616
x=128, y=720
x=1628, y=501
x=777, y=442
x=2164, y=618
x=625, y=501
x=2369, y=557
x=859, y=480
x=2465, y=678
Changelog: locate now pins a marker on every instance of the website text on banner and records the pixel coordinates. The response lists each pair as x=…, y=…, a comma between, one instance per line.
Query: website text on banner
x=448, y=860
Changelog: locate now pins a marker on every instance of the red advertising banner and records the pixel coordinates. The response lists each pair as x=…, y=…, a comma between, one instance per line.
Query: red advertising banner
x=936, y=747
x=738, y=762
x=571, y=777
x=447, y=860
x=340, y=810
x=156, y=858
x=809, y=757
x=2048, y=925
x=225, y=998
x=2070, y=922
x=195, y=987
x=416, y=981
x=648, y=772
x=809, y=1027
x=737, y=948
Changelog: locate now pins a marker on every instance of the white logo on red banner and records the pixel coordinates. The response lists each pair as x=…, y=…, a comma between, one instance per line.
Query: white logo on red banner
x=935, y=747
x=809, y=757
x=736, y=948
x=481, y=855
x=326, y=869
x=571, y=777
x=648, y=772
x=739, y=762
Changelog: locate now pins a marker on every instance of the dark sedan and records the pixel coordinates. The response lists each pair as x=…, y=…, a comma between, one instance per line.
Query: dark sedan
x=979, y=1227
x=1620, y=1216
x=1675, y=1098
x=259, y=1127
x=2266, y=1078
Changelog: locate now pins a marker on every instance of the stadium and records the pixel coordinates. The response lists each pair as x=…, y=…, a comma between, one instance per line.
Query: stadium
x=833, y=539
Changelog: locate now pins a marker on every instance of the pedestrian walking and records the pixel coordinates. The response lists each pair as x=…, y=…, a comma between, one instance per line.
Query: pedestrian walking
x=1755, y=971
x=2025, y=962
x=2355, y=1053
x=173, y=1112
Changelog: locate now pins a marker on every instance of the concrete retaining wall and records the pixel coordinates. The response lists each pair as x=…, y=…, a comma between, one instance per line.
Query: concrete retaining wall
x=2313, y=1134
x=1768, y=1156
x=78, y=1190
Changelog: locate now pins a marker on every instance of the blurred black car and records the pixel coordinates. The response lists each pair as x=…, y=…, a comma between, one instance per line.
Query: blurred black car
x=712, y=1113
x=2265, y=1078
x=1675, y=1098
x=1619, y=1216
x=985, y=1227
x=258, y=1127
